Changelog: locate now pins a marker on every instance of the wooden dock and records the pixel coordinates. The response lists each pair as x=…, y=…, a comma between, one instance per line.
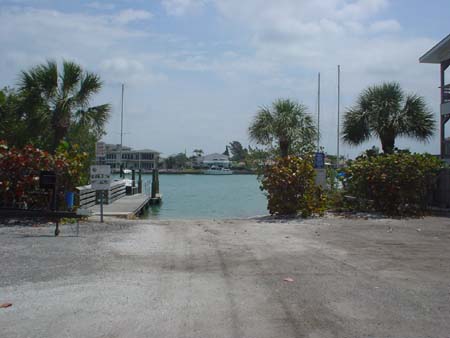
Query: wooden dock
x=125, y=207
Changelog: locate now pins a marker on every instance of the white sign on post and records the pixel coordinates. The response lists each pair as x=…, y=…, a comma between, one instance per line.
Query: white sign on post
x=100, y=149
x=100, y=177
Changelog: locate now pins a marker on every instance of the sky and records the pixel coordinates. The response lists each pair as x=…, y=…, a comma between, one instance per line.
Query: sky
x=197, y=71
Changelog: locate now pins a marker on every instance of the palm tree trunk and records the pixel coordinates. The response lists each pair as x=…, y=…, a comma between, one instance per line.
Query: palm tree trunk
x=284, y=148
x=388, y=144
x=58, y=136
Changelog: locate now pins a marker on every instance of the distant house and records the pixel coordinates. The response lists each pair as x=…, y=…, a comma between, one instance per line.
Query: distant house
x=145, y=159
x=218, y=160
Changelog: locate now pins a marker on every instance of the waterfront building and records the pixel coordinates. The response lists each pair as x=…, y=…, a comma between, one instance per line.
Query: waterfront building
x=216, y=160
x=440, y=54
x=145, y=159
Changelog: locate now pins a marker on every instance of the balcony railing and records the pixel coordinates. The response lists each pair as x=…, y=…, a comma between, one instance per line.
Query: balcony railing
x=446, y=94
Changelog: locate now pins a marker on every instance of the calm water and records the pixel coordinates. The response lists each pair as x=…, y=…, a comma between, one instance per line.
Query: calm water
x=208, y=196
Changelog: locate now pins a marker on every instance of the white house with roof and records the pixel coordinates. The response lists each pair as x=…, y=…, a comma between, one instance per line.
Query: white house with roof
x=216, y=159
x=145, y=159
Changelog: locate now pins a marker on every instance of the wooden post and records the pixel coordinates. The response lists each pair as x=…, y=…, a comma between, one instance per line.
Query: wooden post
x=57, y=228
x=157, y=181
x=153, y=195
x=55, y=203
x=140, y=181
x=101, y=205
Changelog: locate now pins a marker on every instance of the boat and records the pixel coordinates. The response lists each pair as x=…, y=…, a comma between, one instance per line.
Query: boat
x=217, y=171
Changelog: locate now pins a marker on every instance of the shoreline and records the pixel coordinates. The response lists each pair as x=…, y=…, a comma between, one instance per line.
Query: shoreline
x=191, y=172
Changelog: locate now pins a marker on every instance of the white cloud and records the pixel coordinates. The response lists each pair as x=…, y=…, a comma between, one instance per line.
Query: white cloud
x=297, y=18
x=181, y=7
x=101, y=5
x=128, y=70
x=360, y=9
x=49, y=33
x=130, y=15
x=101, y=43
x=385, y=26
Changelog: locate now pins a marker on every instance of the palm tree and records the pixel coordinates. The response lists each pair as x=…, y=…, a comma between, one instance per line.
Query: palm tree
x=198, y=152
x=386, y=112
x=286, y=124
x=64, y=98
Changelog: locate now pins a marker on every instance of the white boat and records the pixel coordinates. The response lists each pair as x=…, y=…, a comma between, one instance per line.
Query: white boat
x=217, y=171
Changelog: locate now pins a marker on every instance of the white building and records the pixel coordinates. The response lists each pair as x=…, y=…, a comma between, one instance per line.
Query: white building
x=217, y=160
x=440, y=55
x=145, y=159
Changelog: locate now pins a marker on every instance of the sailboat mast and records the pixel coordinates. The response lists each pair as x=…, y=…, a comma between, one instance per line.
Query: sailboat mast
x=121, y=128
x=318, y=114
x=338, y=114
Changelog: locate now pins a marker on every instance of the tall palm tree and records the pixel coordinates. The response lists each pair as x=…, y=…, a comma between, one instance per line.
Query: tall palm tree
x=386, y=112
x=64, y=97
x=286, y=124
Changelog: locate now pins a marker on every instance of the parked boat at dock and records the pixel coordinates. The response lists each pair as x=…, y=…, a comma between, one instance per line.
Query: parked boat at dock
x=218, y=171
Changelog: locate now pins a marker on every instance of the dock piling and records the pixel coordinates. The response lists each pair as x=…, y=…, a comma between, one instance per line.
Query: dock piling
x=140, y=182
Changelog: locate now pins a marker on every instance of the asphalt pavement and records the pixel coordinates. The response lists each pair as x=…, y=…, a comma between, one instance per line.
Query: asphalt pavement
x=316, y=278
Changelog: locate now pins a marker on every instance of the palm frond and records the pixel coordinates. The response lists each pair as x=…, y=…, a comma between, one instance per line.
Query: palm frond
x=287, y=122
x=89, y=84
x=95, y=117
x=41, y=78
x=356, y=128
x=417, y=121
x=47, y=78
x=70, y=78
x=261, y=129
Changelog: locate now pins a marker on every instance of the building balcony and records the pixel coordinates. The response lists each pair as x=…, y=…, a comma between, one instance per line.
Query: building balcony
x=445, y=108
x=446, y=94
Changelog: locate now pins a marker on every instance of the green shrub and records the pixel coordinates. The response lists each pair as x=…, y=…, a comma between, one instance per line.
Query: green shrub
x=290, y=187
x=20, y=169
x=395, y=184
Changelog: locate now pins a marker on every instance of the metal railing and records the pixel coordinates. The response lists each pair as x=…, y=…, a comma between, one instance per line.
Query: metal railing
x=88, y=197
x=147, y=187
x=446, y=94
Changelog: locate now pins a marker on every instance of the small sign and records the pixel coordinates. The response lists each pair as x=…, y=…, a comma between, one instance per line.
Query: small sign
x=47, y=179
x=100, y=177
x=100, y=149
x=319, y=160
x=321, y=178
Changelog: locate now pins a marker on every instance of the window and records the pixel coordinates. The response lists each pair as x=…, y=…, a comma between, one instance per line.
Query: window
x=147, y=156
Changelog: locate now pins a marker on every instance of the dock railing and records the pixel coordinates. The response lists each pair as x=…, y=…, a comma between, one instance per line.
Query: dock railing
x=147, y=188
x=88, y=197
x=117, y=190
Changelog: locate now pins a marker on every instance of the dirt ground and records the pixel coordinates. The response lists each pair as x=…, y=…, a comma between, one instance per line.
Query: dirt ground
x=327, y=277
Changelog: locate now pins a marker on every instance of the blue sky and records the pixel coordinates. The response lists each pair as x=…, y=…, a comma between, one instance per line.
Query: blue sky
x=196, y=71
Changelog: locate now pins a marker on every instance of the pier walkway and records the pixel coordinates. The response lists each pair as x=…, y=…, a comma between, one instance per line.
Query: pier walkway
x=125, y=207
